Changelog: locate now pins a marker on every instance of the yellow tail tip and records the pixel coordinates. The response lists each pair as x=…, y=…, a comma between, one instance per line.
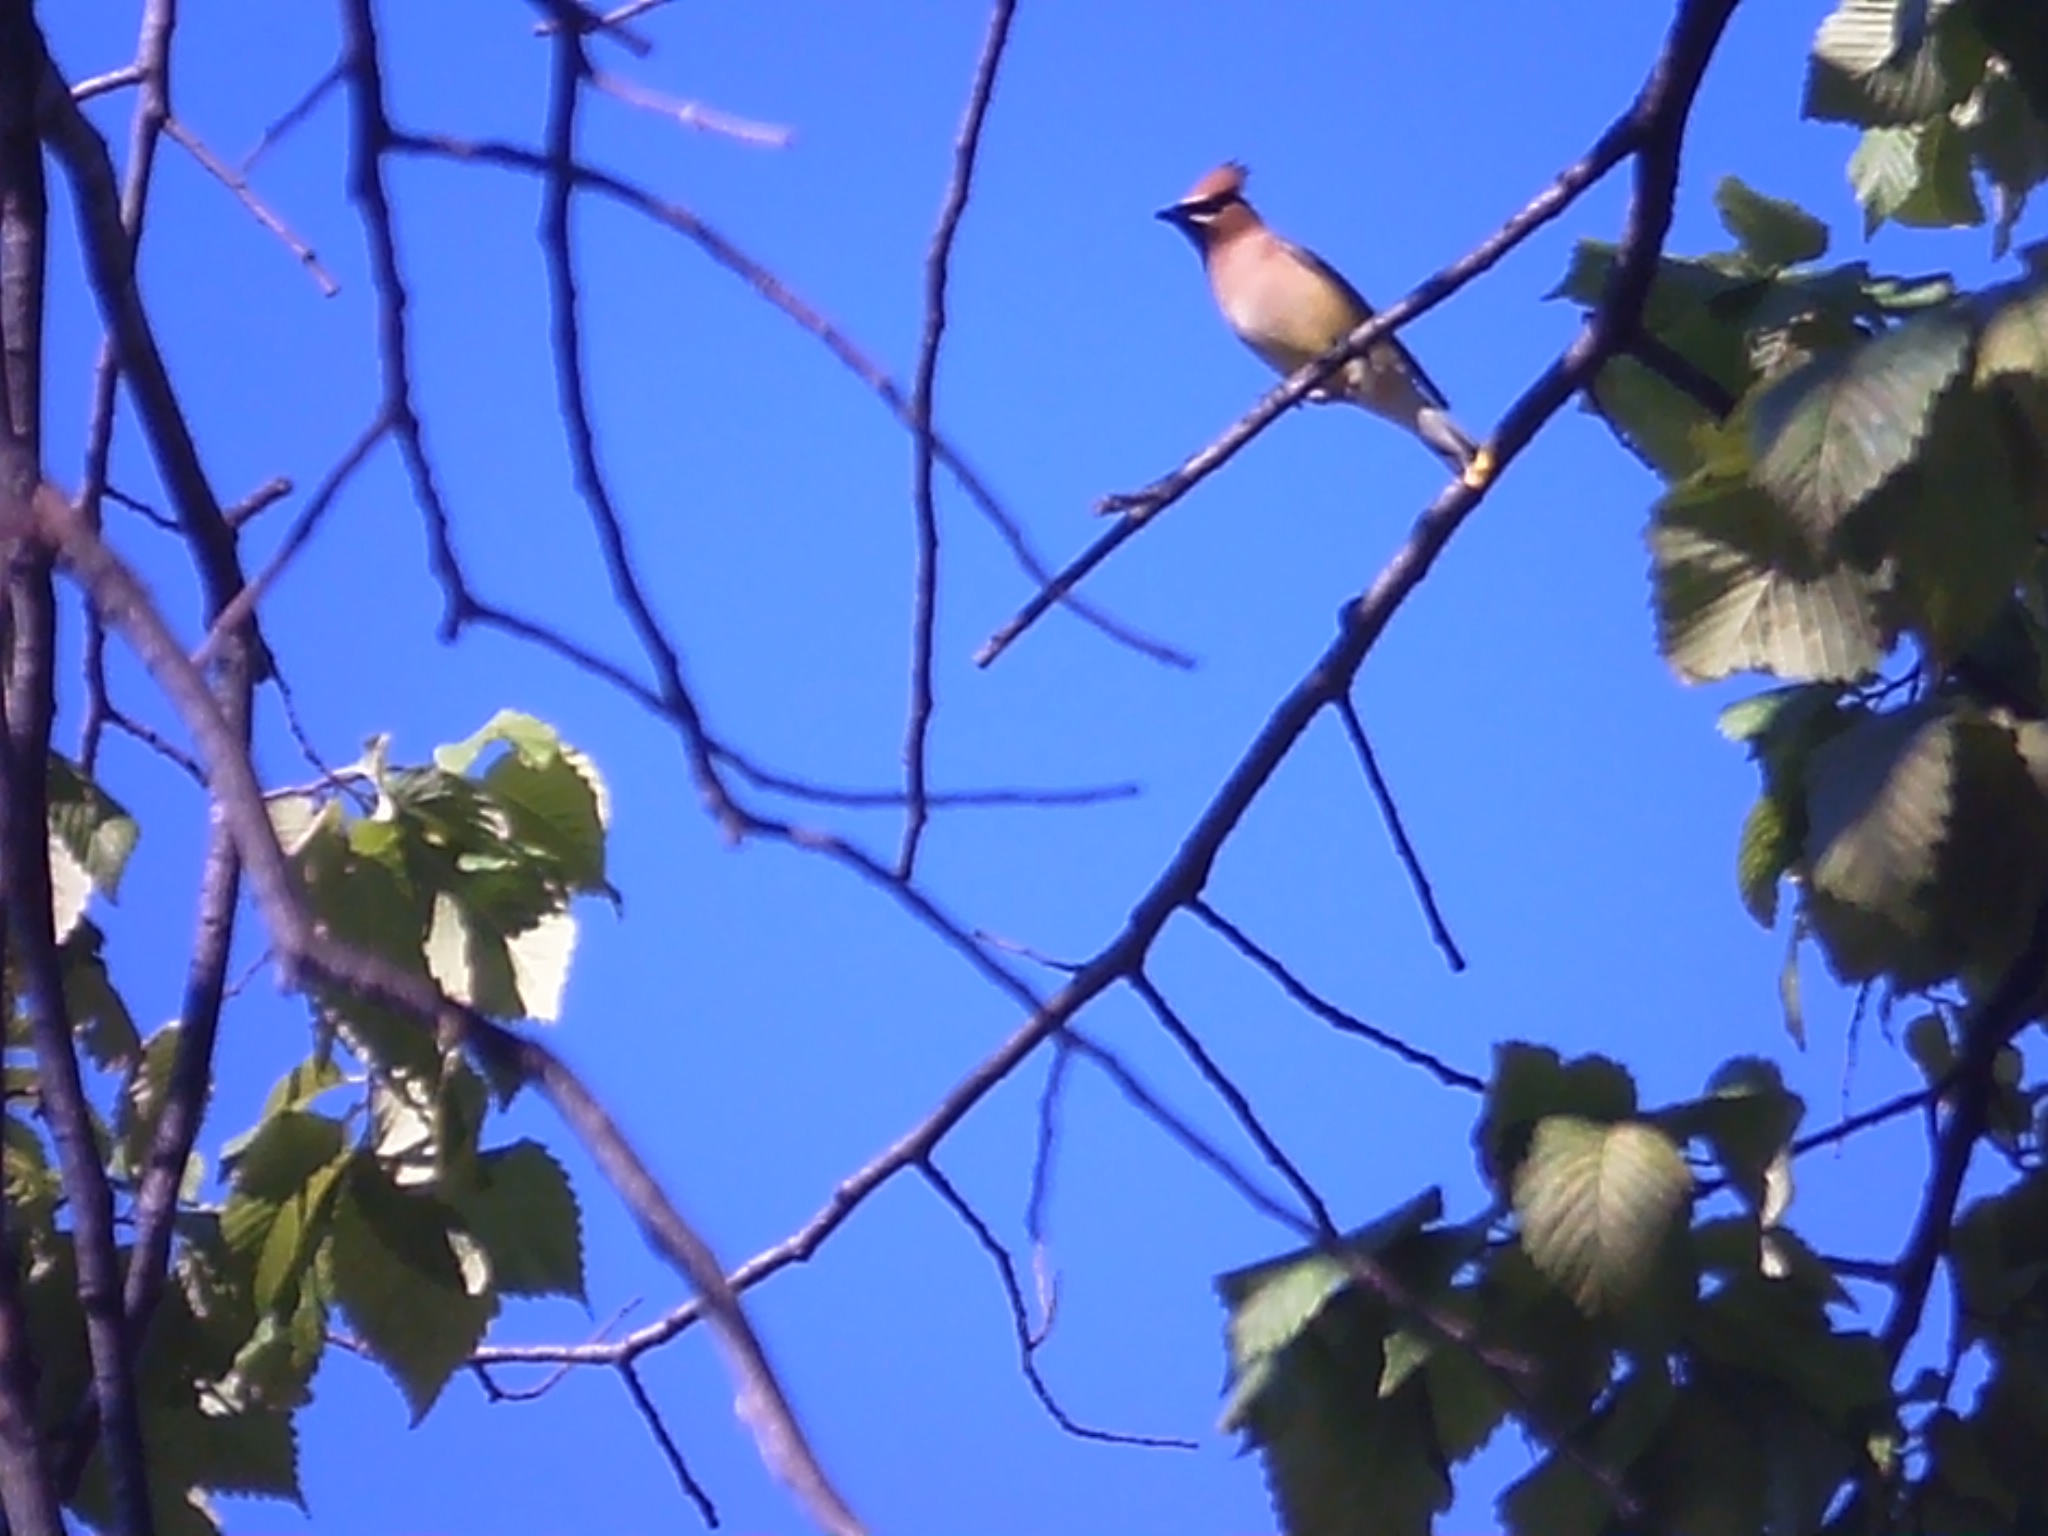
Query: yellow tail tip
x=1480, y=470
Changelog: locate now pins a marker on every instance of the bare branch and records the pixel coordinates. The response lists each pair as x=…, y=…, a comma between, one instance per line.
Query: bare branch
x=1390, y=813
x=670, y=1451
x=363, y=69
x=1020, y=1325
x=294, y=115
x=246, y=195
x=301, y=530
x=28, y=708
x=110, y=266
x=777, y=293
x=611, y=24
x=692, y=114
x=1325, y=1227
x=113, y=80
x=1329, y=1012
x=925, y=595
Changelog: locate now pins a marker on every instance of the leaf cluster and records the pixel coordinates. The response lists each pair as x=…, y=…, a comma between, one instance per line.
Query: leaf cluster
x=368, y=1199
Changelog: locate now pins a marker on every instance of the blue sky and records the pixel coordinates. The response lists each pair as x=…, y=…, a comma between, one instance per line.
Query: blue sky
x=760, y=1022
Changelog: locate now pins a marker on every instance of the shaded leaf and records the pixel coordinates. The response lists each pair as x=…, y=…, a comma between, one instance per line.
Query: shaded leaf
x=1830, y=434
x=398, y=1277
x=1737, y=589
x=520, y=1206
x=1889, y=61
x=1596, y=1204
x=1773, y=233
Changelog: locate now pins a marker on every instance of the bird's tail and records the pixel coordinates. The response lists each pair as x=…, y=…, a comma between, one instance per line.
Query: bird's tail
x=1435, y=427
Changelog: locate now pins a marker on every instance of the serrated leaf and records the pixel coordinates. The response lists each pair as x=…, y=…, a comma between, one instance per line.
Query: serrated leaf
x=1828, y=435
x=399, y=1279
x=279, y=1210
x=1926, y=846
x=1596, y=1204
x=2012, y=362
x=1956, y=574
x=1888, y=61
x=1738, y=589
x=1773, y=233
x=91, y=826
x=555, y=810
x=521, y=1208
x=1529, y=1082
x=1340, y=1459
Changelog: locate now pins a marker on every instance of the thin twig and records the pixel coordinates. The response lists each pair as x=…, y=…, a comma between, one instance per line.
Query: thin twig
x=110, y=268
x=151, y=71
x=1390, y=814
x=1020, y=1324
x=1329, y=1012
x=113, y=80
x=301, y=530
x=294, y=115
x=1241, y=1110
x=777, y=293
x=925, y=593
x=611, y=24
x=670, y=1451
x=692, y=114
x=259, y=210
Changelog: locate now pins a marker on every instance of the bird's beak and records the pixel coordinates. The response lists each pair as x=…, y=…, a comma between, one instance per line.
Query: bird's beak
x=1175, y=215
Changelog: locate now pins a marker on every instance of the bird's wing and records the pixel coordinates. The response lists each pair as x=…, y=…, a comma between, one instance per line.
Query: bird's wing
x=1431, y=395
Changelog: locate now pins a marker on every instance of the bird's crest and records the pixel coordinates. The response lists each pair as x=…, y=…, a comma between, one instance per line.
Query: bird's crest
x=1226, y=181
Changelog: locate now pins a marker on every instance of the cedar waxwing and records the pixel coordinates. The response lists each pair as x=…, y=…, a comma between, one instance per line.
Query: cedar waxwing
x=1290, y=306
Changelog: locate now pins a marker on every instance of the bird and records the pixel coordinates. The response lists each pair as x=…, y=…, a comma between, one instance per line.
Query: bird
x=1290, y=307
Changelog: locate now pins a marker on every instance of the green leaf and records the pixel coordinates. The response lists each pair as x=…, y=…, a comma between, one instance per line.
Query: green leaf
x=1884, y=61
x=1272, y=1303
x=1831, y=433
x=1769, y=846
x=1560, y=1497
x=1773, y=233
x=1737, y=588
x=2009, y=145
x=1927, y=845
x=2012, y=357
x=279, y=1211
x=1920, y=177
x=1531, y=1082
x=1340, y=1459
x=1747, y=1119
x=1780, y=1332
x=400, y=1279
x=90, y=826
x=1597, y=1203
x=99, y=1014
x=521, y=1207
x=1956, y=575
x=556, y=808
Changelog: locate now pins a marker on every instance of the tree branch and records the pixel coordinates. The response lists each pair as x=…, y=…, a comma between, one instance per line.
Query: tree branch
x=925, y=596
